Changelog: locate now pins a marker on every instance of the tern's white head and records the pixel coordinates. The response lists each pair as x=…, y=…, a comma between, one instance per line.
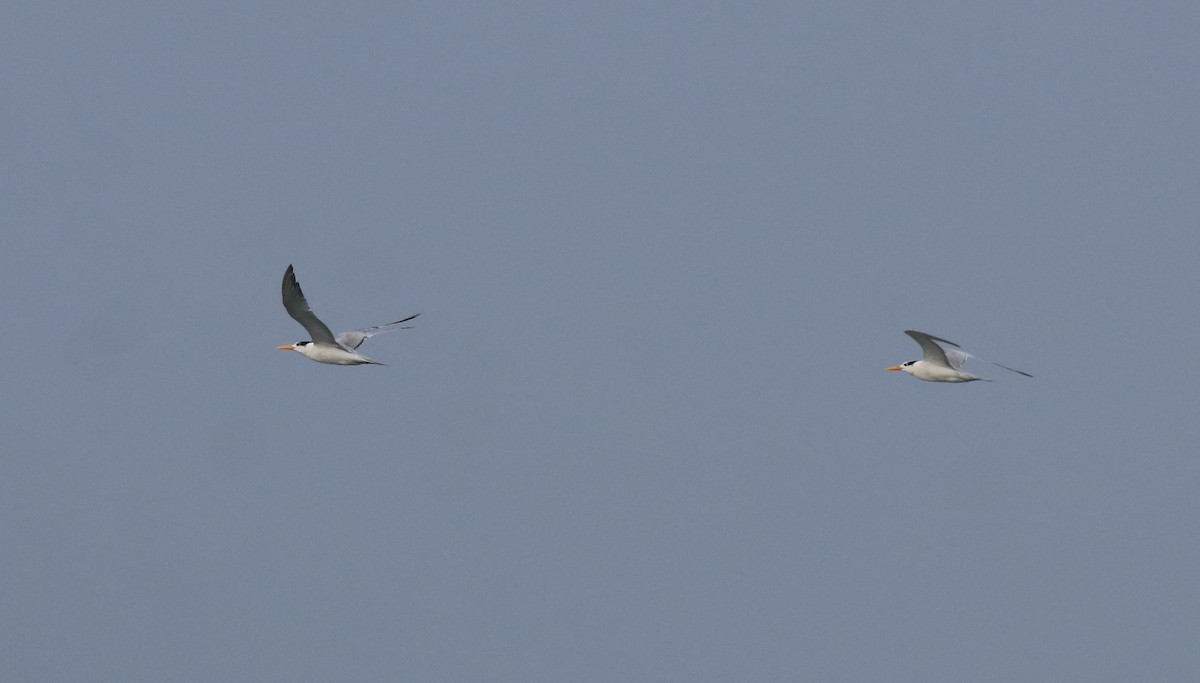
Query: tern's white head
x=906, y=367
x=300, y=347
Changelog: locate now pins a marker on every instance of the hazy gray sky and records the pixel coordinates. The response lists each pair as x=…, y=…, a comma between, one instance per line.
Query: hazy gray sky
x=642, y=431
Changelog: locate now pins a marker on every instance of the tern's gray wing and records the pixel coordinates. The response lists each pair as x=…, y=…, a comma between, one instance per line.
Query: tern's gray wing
x=956, y=358
x=297, y=307
x=953, y=357
x=354, y=338
x=1019, y=372
x=933, y=352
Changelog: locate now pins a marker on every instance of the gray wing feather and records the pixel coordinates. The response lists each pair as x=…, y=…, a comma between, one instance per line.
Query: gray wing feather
x=956, y=358
x=297, y=307
x=1019, y=372
x=965, y=356
x=354, y=338
x=932, y=352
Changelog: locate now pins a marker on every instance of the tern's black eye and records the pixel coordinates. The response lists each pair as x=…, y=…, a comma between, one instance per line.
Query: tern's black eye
x=303, y=343
x=909, y=363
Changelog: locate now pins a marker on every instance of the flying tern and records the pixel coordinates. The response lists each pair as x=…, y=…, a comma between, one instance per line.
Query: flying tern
x=942, y=364
x=324, y=347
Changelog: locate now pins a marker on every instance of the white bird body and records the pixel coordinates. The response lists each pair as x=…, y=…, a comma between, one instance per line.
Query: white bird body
x=932, y=372
x=324, y=347
x=328, y=353
x=940, y=364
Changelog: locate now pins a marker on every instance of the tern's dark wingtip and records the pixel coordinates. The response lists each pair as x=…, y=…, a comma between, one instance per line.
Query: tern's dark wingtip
x=402, y=320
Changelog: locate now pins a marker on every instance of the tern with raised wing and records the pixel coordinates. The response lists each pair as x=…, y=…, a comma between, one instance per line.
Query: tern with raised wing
x=941, y=364
x=324, y=347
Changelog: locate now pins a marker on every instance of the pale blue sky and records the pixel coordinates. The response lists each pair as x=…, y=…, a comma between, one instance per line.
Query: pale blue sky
x=642, y=431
